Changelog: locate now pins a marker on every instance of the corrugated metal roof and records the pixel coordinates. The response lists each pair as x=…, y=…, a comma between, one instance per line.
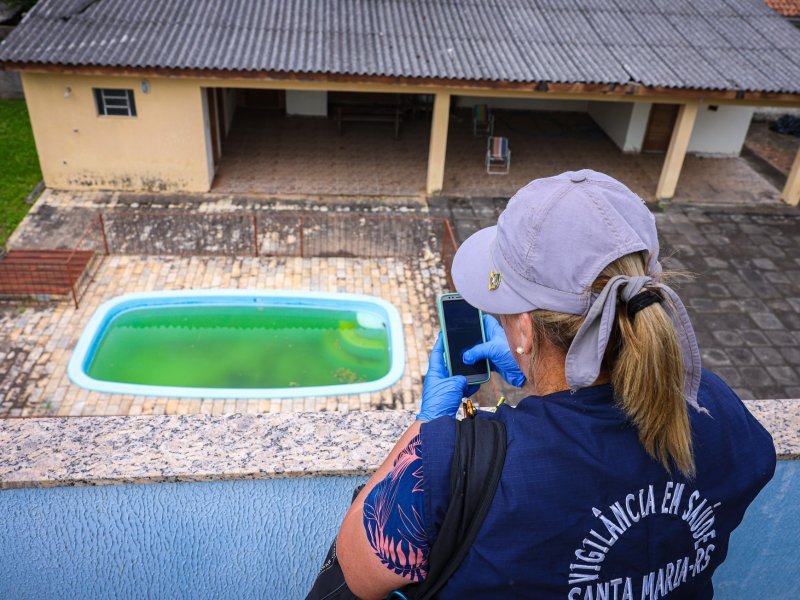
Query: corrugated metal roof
x=698, y=44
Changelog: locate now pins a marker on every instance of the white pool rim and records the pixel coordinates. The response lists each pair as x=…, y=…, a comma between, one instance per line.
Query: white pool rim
x=93, y=333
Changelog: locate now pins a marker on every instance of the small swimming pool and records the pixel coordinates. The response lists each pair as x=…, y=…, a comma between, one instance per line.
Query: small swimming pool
x=240, y=344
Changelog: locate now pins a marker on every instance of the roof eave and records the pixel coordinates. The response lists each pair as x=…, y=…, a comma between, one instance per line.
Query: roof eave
x=539, y=88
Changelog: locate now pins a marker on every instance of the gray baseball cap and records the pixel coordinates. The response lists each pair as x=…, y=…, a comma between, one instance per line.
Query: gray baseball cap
x=551, y=242
x=554, y=238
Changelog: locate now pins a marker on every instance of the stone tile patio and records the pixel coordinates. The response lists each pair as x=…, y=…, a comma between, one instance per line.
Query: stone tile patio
x=744, y=301
x=60, y=217
x=547, y=143
x=36, y=340
x=268, y=154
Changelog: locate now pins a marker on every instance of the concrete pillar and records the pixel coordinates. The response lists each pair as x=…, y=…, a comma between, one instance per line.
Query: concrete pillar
x=438, y=145
x=673, y=161
x=791, y=191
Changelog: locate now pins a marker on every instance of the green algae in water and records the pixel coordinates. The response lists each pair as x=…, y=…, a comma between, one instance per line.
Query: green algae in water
x=242, y=347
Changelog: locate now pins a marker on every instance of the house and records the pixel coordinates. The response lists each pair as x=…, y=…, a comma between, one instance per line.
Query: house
x=10, y=85
x=139, y=94
x=790, y=9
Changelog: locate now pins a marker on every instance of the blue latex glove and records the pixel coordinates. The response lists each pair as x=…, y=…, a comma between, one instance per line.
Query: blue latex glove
x=441, y=394
x=496, y=349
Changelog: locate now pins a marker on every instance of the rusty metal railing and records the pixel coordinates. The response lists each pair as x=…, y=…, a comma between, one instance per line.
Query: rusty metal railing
x=252, y=233
x=39, y=273
x=449, y=247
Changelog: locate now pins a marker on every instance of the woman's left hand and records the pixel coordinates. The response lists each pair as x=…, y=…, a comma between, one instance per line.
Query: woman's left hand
x=441, y=394
x=496, y=349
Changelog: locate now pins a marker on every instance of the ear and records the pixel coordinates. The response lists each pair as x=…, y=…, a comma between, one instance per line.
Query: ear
x=519, y=331
x=525, y=332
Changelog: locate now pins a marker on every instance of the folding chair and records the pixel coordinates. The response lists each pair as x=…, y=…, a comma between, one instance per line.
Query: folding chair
x=498, y=155
x=482, y=120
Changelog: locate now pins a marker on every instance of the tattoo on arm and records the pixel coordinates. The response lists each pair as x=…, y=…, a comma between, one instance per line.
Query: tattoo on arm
x=393, y=516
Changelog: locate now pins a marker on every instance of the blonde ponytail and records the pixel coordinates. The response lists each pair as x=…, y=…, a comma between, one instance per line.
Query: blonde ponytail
x=646, y=368
x=648, y=380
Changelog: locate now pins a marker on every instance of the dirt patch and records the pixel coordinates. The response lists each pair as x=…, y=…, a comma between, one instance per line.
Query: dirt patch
x=776, y=149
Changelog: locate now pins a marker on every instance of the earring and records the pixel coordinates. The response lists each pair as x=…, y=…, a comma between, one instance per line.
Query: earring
x=520, y=350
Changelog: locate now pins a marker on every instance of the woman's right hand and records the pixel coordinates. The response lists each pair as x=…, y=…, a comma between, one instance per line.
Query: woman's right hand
x=442, y=394
x=496, y=349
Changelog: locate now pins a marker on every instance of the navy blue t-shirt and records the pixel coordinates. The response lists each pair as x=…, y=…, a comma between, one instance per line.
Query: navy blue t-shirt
x=581, y=510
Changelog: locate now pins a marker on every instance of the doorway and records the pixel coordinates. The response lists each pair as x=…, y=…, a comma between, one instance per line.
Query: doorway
x=217, y=121
x=659, y=127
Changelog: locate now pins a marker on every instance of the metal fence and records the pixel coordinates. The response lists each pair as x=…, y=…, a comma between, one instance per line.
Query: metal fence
x=449, y=247
x=178, y=233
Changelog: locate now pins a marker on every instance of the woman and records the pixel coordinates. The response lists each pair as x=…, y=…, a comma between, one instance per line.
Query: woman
x=627, y=466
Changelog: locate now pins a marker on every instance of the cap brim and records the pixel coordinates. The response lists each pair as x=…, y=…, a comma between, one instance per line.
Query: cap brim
x=472, y=265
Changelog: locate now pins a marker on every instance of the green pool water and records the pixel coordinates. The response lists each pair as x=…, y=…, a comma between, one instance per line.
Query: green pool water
x=242, y=347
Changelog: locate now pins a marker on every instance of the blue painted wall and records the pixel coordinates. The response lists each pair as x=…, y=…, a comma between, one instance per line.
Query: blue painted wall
x=763, y=560
x=234, y=539
x=266, y=539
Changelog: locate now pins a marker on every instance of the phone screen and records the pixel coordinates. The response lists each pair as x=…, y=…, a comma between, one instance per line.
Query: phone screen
x=462, y=323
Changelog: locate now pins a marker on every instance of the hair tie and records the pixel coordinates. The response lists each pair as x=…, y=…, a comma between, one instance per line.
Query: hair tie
x=642, y=300
x=585, y=355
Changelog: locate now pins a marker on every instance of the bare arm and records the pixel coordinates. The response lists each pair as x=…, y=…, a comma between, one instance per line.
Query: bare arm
x=366, y=576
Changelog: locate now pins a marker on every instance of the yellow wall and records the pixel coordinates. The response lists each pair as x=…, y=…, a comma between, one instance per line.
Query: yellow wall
x=162, y=148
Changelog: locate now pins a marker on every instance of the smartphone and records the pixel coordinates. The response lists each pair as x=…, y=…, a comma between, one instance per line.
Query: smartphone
x=462, y=328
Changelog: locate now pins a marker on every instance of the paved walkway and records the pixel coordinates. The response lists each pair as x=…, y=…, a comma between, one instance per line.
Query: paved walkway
x=59, y=218
x=745, y=300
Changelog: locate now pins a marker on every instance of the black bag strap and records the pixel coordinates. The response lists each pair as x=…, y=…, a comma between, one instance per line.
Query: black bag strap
x=478, y=459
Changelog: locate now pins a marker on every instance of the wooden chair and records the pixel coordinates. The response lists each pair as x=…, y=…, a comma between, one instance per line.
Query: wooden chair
x=498, y=155
x=482, y=120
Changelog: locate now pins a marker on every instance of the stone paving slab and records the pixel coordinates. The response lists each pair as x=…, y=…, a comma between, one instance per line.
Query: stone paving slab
x=60, y=217
x=36, y=342
x=744, y=300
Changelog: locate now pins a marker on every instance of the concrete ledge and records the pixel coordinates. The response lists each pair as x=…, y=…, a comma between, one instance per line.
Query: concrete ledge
x=90, y=451
x=153, y=449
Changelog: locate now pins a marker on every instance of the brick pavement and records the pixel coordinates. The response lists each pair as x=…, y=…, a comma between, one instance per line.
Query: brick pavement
x=745, y=299
x=36, y=341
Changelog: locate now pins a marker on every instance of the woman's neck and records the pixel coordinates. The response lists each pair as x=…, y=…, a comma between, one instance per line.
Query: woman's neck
x=550, y=376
